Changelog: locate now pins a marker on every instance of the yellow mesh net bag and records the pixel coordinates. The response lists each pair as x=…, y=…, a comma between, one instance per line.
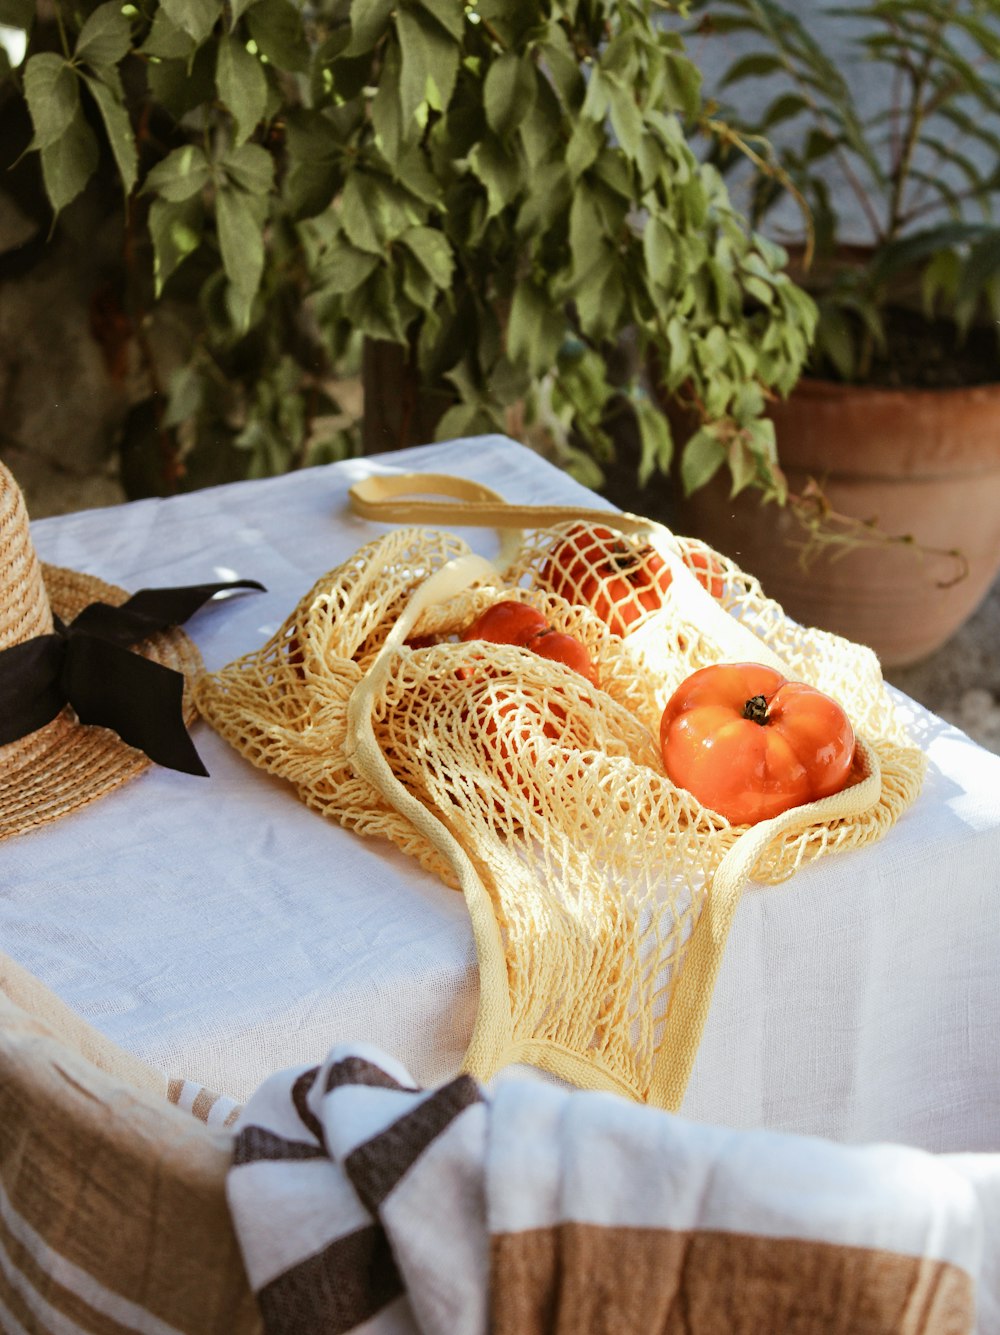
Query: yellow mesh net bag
x=600, y=894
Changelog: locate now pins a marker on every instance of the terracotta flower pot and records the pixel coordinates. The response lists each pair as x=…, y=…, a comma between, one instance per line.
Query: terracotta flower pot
x=920, y=462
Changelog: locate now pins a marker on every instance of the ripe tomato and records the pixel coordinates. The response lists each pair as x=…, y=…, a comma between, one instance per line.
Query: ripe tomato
x=511, y=622
x=749, y=744
x=597, y=568
x=620, y=582
x=561, y=648
x=506, y=622
x=706, y=568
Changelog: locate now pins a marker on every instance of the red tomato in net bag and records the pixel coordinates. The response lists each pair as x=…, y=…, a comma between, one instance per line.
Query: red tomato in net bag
x=511, y=622
x=750, y=744
x=561, y=648
x=506, y=622
x=622, y=583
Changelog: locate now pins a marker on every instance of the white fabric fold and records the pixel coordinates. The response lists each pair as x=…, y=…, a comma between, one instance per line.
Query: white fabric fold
x=363, y=1203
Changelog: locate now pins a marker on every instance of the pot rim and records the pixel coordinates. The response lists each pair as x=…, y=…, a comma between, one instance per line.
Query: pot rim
x=815, y=387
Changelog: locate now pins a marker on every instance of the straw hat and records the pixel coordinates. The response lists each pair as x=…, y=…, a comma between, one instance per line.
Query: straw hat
x=65, y=764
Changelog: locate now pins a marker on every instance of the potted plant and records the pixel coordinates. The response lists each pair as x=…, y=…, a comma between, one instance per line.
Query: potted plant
x=896, y=425
x=494, y=191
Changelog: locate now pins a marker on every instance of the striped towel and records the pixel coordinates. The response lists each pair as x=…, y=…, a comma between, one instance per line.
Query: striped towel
x=363, y=1203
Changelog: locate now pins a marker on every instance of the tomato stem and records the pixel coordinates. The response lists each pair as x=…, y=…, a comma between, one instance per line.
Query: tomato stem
x=755, y=709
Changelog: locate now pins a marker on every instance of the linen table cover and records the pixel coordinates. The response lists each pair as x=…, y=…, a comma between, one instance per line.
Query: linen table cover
x=220, y=931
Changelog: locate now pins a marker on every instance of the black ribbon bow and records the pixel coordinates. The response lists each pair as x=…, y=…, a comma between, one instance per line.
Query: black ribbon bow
x=89, y=664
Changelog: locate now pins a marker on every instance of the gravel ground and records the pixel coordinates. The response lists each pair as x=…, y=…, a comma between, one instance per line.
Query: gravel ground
x=960, y=683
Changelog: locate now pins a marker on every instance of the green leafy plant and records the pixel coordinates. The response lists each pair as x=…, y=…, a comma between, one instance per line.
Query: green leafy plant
x=919, y=168
x=501, y=188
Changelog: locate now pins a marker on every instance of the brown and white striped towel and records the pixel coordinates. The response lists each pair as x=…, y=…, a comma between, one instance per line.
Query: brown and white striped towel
x=363, y=1203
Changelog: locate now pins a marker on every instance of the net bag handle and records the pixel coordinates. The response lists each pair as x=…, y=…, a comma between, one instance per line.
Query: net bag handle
x=696, y=984
x=397, y=498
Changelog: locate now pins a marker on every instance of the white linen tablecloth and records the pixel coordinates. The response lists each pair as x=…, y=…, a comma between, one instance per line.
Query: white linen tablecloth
x=221, y=931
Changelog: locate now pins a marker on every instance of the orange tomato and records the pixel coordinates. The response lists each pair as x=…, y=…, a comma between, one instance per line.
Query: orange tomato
x=622, y=583
x=561, y=648
x=750, y=744
x=511, y=622
x=506, y=622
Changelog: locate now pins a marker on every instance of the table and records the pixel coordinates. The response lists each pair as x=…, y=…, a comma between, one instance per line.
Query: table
x=220, y=930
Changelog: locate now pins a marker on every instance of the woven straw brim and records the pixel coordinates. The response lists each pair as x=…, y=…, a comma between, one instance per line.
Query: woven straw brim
x=66, y=764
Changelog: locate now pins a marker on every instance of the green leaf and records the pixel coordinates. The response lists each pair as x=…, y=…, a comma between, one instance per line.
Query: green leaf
x=600, y=299
x=509, y=92
x=701, y=459
x=587, y=241
x=657, y=446
x=239, y=77
x=237, y=8
x=499, y=172
x=119, y=130
x=176, y=231
x=910, y=251
x=17, y=13
x=250, y=167
x=276, y=27
x=181, y=85
x=658, y=247
x=185, y=396
x=457, y=421
x=53, y=94
x=412, y=172
x=612, y=168
x=546, y=204
x=69, y=162
x=430, y=64
x=105, y=37
x=182, y=173
x=783, y=108
x=510, y=18
x=431, y=248
x=346, y=268
x=195, y=17
x=167, y=40
x=836, y=341
x=751, y=67
x=743, y=464
x=535, y=329
x=313, y=176
x=626, y=118
x=449, y=13
x=980, y=268
x=386, y=112
x=417, y=285
x=585, y=144
x=369, y=20
x=562, y=67
x=940, y=276
x=542, y=127
x=683, y=85
x=356, y=214
x=375, y=308
x=240, y=221
x=678, y=353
